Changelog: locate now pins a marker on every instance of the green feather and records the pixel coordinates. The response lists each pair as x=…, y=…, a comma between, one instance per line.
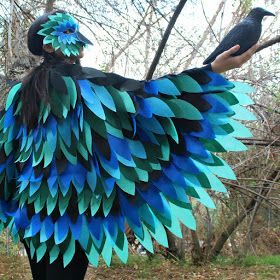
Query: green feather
x=54, y=252
x=175, y=227
x=122, y=100
x=183, y=109
x=69, y=253
x=51, y=203
x=108, y=203
x=48, y=154
x=84, y=199
x=71, y=158
x=126, y=185
x=93, y=256
x=71, y=89
x=121, y=246
x=95, y=204
x=12, y=94
x=88, y=136
x=160, y=234
x=40, y=251
x=204, y=198
x=170, y=128
x=184, y=215
x=146, y=241
x=63, y=202
x=187, y=84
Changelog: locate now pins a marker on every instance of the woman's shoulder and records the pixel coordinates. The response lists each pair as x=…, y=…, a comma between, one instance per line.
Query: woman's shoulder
x=98, y=77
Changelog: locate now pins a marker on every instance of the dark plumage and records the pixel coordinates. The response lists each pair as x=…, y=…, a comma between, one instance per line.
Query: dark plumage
x=246, y=34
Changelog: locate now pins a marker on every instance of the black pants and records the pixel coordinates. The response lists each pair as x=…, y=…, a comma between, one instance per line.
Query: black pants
x=43, y=270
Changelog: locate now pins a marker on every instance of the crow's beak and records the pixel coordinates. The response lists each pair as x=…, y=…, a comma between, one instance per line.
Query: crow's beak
x=83, y=38
x=267, y=13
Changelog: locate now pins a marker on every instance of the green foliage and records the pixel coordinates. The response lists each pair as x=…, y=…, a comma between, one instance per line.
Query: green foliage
x=249, y=260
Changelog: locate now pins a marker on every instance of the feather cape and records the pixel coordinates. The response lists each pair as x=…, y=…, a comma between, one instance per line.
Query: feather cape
x=108, y=150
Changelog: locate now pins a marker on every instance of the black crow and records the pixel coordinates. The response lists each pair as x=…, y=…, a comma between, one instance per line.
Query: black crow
x=246, y=34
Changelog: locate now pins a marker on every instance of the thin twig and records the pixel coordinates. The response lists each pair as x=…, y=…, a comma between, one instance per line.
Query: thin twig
x=253, y=192
x=209, y=24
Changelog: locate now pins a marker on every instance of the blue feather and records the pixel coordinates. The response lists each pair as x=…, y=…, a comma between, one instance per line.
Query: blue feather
x=165, y=186
x=47, y=229
x=174, y=175
x=130, y=211
x=165, y=86
x=144, y=109
x=21, y=218
x=92, y=177
x=206, y=132
x=120, y=146
x=95, y=228
x=76, y=227
x=111, y=226
x=109, y=186
x=152, y=196
x=194, y=146
x=185, y=163
x=35, y=225
x=9, y=118
x=64, y=128
x=61, y=228
x=151, y=87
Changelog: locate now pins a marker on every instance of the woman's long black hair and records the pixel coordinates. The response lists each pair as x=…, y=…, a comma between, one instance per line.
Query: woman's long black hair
x=35, y=85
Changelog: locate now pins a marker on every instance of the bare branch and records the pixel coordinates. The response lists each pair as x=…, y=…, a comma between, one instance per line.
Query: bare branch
x=269, y=43
x=165, y=38
x=205, y=34
x=260, y=142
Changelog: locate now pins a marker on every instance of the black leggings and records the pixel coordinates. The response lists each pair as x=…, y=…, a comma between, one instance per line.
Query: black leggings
x=43, y=270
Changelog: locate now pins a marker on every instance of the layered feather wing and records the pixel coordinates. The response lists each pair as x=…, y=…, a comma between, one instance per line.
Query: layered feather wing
x=109, y=151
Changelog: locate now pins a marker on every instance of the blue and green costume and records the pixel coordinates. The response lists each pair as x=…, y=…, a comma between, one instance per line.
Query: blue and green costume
x=108, y=150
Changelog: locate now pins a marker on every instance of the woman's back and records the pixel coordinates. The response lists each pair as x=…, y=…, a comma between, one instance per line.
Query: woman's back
x=85, y=152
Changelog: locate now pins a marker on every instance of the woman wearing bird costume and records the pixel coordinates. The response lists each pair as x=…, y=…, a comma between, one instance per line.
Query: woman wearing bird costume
x=83, y=152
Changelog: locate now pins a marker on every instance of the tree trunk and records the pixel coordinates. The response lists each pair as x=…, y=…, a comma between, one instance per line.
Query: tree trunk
x=197, y=254
x=238, y=219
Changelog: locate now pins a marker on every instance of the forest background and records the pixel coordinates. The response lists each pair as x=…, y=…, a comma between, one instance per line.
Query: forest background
x=126, y=36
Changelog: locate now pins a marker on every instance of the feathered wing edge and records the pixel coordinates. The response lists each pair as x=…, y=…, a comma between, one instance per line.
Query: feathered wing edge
x=126, y=151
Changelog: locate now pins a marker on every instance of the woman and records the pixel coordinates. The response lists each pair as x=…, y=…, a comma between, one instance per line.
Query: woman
x=84, y=152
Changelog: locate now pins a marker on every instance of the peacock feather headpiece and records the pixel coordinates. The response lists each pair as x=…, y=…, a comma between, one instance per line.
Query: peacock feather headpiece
x=62, y=32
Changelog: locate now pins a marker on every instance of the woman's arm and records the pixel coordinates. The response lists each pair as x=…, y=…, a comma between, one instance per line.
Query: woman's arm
x=225, y=61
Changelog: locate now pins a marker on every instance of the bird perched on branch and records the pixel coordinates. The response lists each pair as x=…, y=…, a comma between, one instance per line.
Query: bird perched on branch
x=246, y=34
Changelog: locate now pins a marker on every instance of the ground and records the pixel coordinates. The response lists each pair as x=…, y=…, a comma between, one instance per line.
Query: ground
x=250, y=268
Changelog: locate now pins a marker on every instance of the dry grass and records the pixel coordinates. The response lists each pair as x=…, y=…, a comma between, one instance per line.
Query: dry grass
x=141, y=268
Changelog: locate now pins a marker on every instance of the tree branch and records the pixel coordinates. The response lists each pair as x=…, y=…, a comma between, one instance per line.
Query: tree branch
x=269, y=43
x=165, y=38
x=236, y=221
x=205, y=34
x=49, y=5
x=260, y=142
